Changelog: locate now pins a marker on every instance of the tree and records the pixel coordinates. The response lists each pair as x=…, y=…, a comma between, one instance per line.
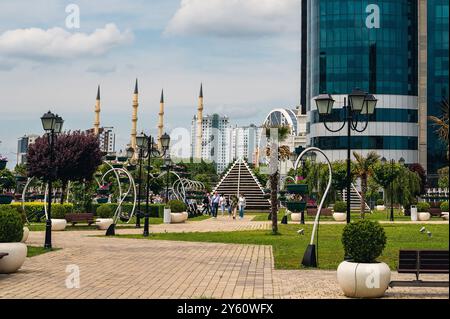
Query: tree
x=363, y=169
x=276, y=153
x=442, y=122
x=417, y=168
x=443, y=177
x=7, y=180
x=76, y=157
x=406, y=187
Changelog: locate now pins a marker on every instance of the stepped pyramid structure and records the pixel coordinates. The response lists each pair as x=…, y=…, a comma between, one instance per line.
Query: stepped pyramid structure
x=240, y=179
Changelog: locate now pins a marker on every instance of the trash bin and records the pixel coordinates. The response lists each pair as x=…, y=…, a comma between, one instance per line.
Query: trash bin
x=167, y=217
x=413, y=213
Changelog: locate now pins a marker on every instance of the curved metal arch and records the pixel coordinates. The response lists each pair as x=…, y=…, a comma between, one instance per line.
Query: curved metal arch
x=286, y=114
x=324, y=196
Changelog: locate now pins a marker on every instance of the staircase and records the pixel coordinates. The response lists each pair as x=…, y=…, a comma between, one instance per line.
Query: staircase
x=240, y=179
x=355, y=199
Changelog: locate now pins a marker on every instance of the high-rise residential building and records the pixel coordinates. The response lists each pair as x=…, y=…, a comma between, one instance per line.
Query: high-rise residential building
x=244, y=142
x=107, y=139
x=396, y=50
x=216, y=140
x=22, y=147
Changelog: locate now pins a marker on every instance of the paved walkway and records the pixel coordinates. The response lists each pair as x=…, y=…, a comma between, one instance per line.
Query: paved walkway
x=137, y=268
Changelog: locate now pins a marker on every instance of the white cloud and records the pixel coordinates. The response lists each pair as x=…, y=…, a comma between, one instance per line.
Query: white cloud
x=231, y=18
x=57, y=43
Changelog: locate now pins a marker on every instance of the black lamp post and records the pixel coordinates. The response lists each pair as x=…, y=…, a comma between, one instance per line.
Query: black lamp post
x=391, y=182
x=148, y=143
x=167, y=166
x=140, y=143
x=360, y=103
x=52, y=125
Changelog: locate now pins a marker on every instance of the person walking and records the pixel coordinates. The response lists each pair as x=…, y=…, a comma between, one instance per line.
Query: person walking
x=234, y=205
x=241, y=204
x=222, y=203
x=206, y=205
x=228, y=205
x=215, y=204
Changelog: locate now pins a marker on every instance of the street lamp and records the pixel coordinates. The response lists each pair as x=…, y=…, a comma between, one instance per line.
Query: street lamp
x=167, y=166
x=360, y=103
x=140, y=143
x=52, y=125
x=401, y=161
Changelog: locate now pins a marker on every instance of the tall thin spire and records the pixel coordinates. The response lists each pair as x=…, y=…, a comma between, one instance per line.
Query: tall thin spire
x=136, y=90
x=199, y=131
x=161, y=119
x=201, y=90
x=97, y=113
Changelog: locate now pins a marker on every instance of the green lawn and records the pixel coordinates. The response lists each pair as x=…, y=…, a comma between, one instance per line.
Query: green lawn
x=35, y=251
x=289, y=247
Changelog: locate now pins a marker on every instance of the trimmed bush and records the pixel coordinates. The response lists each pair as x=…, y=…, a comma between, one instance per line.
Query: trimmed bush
x=444, y=206
x=423, y=207
x=177, y=206
x=340, y=207
x=364, y=241
x=11, y=225
x=380, y=202
x=105, y=211
x=32, y=209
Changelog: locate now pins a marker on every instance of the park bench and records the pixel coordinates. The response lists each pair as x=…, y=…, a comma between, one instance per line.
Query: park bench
x=3, y=255
x=422, y=262
x=80, y=217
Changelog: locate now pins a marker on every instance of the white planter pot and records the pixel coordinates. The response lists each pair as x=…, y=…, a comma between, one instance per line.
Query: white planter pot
x=363, y=280
x=26, y=232
x=59, y=224
x=176, y=218
x=444, y=215
x=340, y=217
x=380, y=207
x=167, y=217
x=423, y=216
x=104, y=223
x=296, y=217
x=17, y=252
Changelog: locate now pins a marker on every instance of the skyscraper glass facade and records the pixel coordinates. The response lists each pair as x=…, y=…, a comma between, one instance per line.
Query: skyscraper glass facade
x=438, y=80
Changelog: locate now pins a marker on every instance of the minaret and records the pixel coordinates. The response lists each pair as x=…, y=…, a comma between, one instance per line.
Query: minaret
x=199, y=135
x=97, y=113
x=134, y=117
x=161, y=119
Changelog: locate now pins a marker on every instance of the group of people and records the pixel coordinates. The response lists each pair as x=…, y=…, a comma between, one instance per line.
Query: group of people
x=231, y=204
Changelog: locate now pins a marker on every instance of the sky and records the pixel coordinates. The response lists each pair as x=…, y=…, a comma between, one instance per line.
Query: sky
x=245, y=52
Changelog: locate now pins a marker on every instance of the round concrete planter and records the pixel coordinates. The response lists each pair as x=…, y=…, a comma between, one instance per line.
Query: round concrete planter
x=444, y=215
x=104, y=223
x=423, y=216
x=380, y=208
x=340, y=217
x=59, y=224
x=17, y=252
x=296, y=217
x=359, y=280
x=26, y=232
x=176, y=218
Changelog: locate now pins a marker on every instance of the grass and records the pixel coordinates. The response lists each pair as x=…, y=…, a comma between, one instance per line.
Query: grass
x=375, y=215
x=120, y=224
x=36, y=251
x=289, y=247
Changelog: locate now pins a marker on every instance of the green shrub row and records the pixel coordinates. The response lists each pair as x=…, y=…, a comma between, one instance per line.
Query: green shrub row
x=423, y=207
x=32, y=210
x=108, y=210
x=340, y=207
x=444, y=206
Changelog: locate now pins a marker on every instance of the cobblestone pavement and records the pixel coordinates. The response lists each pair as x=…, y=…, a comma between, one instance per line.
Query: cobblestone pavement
x=136, y=268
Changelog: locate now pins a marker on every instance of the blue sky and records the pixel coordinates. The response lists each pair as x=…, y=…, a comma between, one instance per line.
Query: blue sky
x=246, y=53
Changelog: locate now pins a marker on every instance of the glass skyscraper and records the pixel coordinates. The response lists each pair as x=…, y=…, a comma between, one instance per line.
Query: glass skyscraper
x=373, y=45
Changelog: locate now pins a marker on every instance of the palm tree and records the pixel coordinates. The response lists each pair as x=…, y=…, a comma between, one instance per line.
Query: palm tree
x=363, y=169
x=442, y=122
x=282, y=133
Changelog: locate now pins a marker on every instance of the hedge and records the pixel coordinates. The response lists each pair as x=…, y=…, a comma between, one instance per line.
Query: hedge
x=32, y=209
x=156, y=210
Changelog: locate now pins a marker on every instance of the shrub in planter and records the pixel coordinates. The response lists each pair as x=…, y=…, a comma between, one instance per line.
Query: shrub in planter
x=423, y=207
x=11, y=233
x=444, y=206
x=363, y=241
x=177, y=206
x=380, y=202
x=11, y=225
x=340, y=207
x=105, y=211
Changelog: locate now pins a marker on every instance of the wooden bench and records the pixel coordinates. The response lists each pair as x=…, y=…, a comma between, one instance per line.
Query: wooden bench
x=3, y=255
x=422, y=262
x=81, y=217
